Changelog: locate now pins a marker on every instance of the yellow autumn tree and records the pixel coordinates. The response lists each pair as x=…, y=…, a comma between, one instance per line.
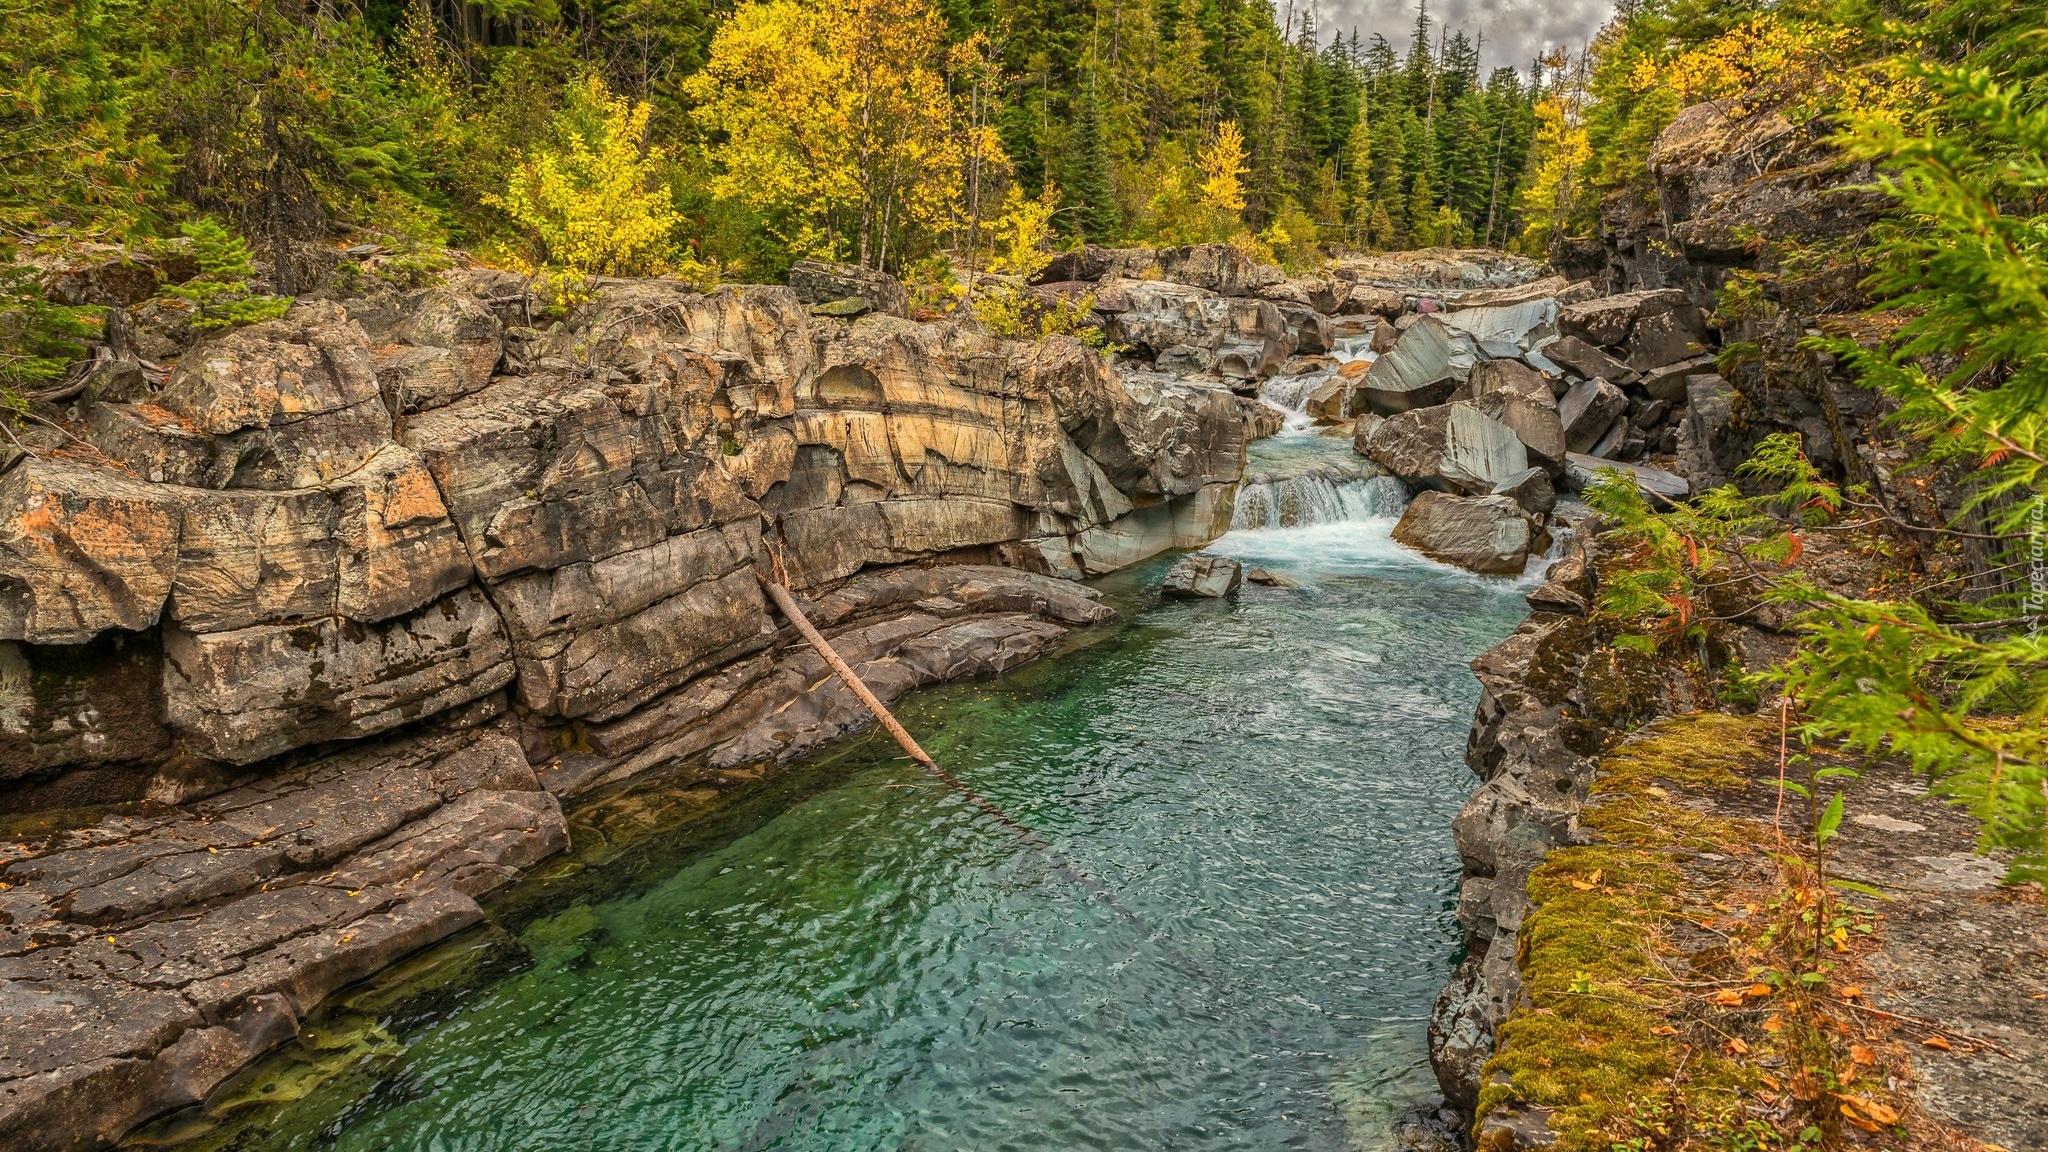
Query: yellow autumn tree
x=1556, y=161
x=589, y=201
x=1223, y=167
x=834, y=120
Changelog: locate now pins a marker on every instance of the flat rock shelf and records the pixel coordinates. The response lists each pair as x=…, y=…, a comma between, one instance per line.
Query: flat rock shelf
x=844, y=955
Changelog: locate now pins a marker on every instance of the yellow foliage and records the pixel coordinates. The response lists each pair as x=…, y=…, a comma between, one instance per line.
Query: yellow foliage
x=1559, y=157
x=835, y=120
x=590, y=202
x=1800, y=66
x=1022, y=232
x=1223, y=168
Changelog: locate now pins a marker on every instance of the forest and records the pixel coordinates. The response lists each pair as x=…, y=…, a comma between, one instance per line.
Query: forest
x=727, y=141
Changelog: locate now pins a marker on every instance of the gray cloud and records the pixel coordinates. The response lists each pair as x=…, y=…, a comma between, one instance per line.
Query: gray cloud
x=1516, y=30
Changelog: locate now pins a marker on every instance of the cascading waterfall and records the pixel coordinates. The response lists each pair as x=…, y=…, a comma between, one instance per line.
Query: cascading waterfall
x=1316, y=498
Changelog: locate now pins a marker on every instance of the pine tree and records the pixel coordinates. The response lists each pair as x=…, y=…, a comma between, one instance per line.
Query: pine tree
x=1422, y=232
x=1088, y=186
x=1357, y=180
x=220, y=293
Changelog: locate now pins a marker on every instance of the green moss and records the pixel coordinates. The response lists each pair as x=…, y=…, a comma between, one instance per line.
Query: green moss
x=1603, y=1038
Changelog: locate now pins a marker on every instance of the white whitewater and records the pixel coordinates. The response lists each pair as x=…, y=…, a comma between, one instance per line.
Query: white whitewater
x=1289, y=394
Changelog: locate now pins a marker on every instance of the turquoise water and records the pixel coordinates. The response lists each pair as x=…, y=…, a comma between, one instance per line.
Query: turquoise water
x=856, y=959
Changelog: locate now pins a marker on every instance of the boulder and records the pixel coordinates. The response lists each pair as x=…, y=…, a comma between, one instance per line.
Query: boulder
x=1385, y=334
x=297, y=398
x=1588, y=410
x=1669, y=382
x=1372, y=300
x=1534, y=422
x=456, y=323
x=1607, y=321
x=1362, y=430
x=1586, y=361
x=311, y=363
x=82, y=550
x=1511, y=377
x=1710, y=406
x=1521, y=326
x=817, y=282
x=1487, y=534
x=1311, y=329
x=1454, y=447
x=1245, y=339
x=158, y=445
x=1314, y=295
x=1581, y=469
x=1612, y=443
x=1416, y=374
x=1666, y=336
x=1530, y=488
x=1202, y=577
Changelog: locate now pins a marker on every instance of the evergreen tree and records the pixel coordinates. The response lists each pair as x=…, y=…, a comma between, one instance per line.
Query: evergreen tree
x=1088, y=187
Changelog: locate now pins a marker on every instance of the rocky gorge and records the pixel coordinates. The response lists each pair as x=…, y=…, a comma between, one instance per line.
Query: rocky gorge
x=337, y=610
x=311, y=629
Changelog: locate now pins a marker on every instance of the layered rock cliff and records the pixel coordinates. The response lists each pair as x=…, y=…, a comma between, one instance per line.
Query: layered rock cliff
x=351, y=600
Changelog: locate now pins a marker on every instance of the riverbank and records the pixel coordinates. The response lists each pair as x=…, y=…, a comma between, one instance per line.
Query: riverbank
x=1631, y=885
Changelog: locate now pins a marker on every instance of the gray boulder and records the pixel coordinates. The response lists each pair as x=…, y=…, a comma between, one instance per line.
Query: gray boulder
x=1608, y=320
x=1530, y=488
x=1455, y=447
x=1416, y=374
x=1710, y=405
x=1588, y=409
x=1665, y=337
x=1202, y=578
x=1312, y=330
x=817, y=282
x=1668, y=383
x=1534, y=422
x=1521, y=326
x=1513, y=377
x=1580, y=471
x=1487, y=534
x=1586, y=361
x=1235, y=337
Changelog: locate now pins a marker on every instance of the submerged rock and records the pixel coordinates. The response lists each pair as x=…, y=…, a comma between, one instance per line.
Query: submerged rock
x=1202, y=578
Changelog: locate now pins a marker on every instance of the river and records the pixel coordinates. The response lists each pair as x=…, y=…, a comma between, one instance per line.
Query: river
x=847, y=956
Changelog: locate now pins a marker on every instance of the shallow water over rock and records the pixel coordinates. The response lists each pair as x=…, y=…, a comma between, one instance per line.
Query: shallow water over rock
x=847, y=956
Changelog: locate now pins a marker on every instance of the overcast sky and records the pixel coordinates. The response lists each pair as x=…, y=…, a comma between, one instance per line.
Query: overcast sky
x=1516, y=30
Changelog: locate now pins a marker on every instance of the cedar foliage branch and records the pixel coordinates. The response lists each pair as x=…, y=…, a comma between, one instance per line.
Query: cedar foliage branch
x=1960, y=689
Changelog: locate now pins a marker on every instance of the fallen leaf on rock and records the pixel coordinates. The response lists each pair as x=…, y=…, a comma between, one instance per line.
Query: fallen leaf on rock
x=1938, y=1042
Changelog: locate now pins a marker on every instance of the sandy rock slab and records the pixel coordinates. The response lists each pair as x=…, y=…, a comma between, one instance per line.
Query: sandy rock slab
x=146, y=958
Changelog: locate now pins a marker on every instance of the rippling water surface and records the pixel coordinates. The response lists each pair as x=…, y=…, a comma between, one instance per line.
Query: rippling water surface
x=864, y=961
